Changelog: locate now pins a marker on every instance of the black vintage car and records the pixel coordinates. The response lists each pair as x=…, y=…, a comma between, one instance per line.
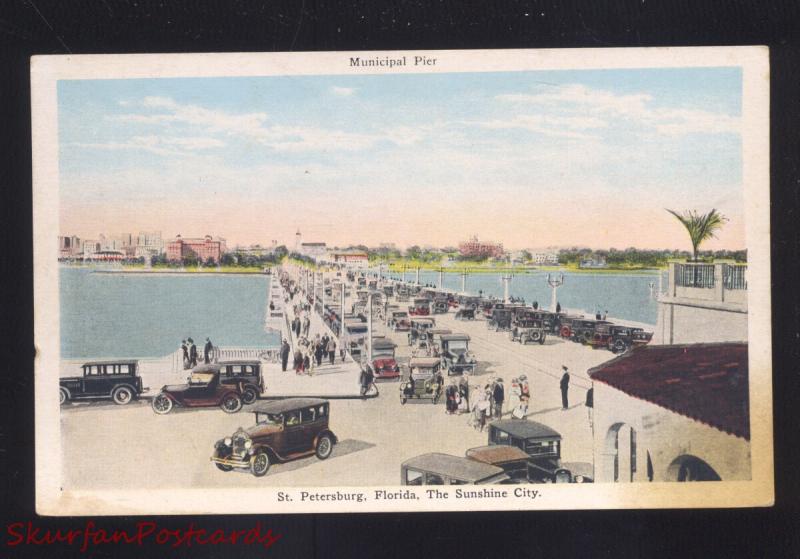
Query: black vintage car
x=501, y=319
x=246, y=375
x=583, y=329
x=528, y=330
x=115, y=380
x=618, y=339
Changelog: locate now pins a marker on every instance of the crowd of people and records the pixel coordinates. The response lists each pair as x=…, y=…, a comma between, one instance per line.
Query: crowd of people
x=189, y=351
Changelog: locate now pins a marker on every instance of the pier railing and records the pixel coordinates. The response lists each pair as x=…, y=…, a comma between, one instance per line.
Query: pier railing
x=719, y=282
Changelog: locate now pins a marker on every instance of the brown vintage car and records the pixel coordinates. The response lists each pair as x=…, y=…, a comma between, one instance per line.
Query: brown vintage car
x=284, y=430
x=204, y=389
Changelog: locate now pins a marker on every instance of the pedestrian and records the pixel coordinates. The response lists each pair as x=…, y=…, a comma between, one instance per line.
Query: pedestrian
x=192, y=353
x=325, y=346
x=342, y=353
x=498, y=395
x=306, y=362
x=367, y=377
x=558, y=306
x=463, y=390
x=298, y=361
x=598, y=316
x=207, y=351
x=306, y=325
x=318, y=352
x=284, y=355
x=522, y=391
x=331, y=350
x=605, y=314
x=590, y=405
x=481, y=407
x=564, y=388
x=451, y=395
x=185, y=350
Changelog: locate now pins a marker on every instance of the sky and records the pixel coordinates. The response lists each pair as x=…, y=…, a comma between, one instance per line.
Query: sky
x=530, y=159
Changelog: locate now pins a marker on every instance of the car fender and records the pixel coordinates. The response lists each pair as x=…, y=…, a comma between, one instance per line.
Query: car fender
x=126, y=384
x=258, y=447
x=326, y=432
x=67, y=390
x=228, y=393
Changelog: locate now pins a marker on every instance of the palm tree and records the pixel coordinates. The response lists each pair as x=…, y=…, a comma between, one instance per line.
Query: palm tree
x=700, y=226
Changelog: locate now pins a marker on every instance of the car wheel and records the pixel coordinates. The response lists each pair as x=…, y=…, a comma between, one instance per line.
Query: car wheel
x=620, y=346
x=249, y=395
x=541, y=340
x=231, y=403
x=324, y=447
x=63, y=396
x=122, y=395
x=259, y=464
x=162, y=404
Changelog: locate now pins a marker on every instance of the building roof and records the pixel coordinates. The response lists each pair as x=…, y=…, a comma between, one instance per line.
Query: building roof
x=282, y=406
x=525, y=429
x=704, y=382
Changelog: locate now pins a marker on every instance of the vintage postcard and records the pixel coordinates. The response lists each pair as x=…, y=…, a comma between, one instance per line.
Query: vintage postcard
x=402, y=281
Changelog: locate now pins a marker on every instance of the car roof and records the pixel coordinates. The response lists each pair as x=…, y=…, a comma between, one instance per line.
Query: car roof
x=207, y=368
x=424, y=362
x=240, y=362
x=383, y=343
x=113, y=362
x=441, y=331
x=453, y=466
x=425, y=319
x=289, y=404
x=457, y=336
x=497, y=454
x=525, y=429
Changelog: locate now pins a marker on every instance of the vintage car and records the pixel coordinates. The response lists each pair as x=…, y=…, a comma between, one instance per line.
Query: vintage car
x=361, y=281
x=583, y=329
x=455, y=354
x=245, y=375
x=521, y=468
x=398, y=321
x=355, y=335
x=434, y=336
x=619, y=339
x=502, y=317
x=543, y=446
x=203, y=389
x=384, y=364
x=419, y=328
x=465, y=313
x=402, y=293
x=440, y=305
x=565, y=325
x=528, y=330
x=421, y=307
x=469, y=302
x=423, y=380
x=445, y=469
x=118, y=381
x=284, y=430
x=388, y=290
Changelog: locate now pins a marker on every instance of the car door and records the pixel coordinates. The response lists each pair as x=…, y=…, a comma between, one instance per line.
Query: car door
x=293, y=432
x=95, y=382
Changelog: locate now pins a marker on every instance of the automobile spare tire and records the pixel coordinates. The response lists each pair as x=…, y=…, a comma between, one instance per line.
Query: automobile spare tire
x=619, y=345
x=122, y=395
x=565, y=332
x=536, y=336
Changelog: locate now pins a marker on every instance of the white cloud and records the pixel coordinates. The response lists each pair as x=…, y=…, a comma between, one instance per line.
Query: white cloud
x=159, y=145
x=563, y=127
x=576, y=100
x=342, y=91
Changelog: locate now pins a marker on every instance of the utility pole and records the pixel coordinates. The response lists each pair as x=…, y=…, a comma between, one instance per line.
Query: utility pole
x=464, y=281
x=417, y=275
x=506, y=283
x=441, y=278
x=554, y=283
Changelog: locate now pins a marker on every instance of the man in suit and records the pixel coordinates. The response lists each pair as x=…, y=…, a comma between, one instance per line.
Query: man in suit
x=192, y=353
x=498, y=395
x=284, y=355
x=207, y=351
x=564, y=388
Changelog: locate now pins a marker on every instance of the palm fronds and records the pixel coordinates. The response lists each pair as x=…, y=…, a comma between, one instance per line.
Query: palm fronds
x=700, y=226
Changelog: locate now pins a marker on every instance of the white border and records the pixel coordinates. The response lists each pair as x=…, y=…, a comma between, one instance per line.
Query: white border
x=47, y=70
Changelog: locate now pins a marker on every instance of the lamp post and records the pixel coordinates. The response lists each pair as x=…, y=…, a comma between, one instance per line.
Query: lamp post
x=464, y=281
x=506, y=284
x=441, y=278
x=554, y=283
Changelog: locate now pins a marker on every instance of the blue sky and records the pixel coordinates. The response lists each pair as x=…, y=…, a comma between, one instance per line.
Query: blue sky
x=594, y=155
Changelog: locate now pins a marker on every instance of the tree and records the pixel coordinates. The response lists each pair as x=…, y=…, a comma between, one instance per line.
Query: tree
x=700, y=227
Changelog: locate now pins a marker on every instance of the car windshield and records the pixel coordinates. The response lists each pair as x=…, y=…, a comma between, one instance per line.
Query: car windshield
x=201, y=378
x=457, y=345
x=269, y=418
x=382, y=353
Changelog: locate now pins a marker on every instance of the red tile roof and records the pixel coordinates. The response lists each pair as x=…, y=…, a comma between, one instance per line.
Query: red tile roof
x=705, y=382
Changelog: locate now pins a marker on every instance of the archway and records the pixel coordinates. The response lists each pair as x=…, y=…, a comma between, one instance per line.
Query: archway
x=691, y=468
x=619, y=453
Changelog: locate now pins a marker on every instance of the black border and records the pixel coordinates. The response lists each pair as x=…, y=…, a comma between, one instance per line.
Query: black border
x=29, y=27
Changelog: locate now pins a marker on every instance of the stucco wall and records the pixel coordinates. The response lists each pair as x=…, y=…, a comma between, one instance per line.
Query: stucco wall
x=679, y=324
x=665, y=435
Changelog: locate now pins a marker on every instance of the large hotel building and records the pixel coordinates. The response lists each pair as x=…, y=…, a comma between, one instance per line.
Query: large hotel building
x=202, y=249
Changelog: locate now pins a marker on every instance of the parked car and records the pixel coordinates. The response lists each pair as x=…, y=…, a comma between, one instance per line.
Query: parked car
x=434, y=336
x=619, y=339
x=465, y=313
x=542, y=444
x=284, y=430
x=384, y=364
x=502, y=317
x=455, y=354
x=398, y=321
x=118, y=381
x=355, y=335
x=528, y=330
x=583, y=329
x=203, y=389
x=469, y=302
x=419, y=328
x=421, y=307
x=388, y=290
x=514, y=461
x=444, y=469
x=245, y=375
x=565, y=325
x=422, y=381
x=440, y=306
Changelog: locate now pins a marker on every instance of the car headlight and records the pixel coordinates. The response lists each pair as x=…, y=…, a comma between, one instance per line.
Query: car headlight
x=228, y=441
x=579, y=479
x=248, y=443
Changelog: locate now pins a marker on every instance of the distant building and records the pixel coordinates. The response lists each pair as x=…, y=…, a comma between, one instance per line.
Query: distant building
x=354, y=259
x=148, y=243
x=90, y=247
x=477, y=249
x=69, y=247
x=109, y=255
x=672, y=413
x=317, y=251
x=593, y=262
x=544, y=257
x=202, y=249
x=703, y=303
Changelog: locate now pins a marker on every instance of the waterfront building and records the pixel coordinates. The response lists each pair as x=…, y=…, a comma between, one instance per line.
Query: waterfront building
x=316, y=251
x=349, y=258
x=703, y=303
x=478, y=249
x=201, y=249
x=672, y=413
x=593, y=262
x=544, y=257
x=148, y=244
x=69, y=246
x=89, y=247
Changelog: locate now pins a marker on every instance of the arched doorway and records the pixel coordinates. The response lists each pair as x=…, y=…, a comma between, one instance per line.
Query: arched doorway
x=619, y=453
x=691, y=468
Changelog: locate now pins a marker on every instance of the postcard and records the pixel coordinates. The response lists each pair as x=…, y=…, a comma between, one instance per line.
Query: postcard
x=402, y=281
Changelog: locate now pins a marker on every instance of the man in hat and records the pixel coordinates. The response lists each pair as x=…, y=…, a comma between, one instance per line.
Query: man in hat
x=185, y=349
x=564, y=388
x=498, y=396
x=284, y=354
x=207, y=351
x=192, y=353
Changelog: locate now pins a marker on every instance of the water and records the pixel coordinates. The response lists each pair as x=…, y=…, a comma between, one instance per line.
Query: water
x=147, y=315
x=624, y=296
